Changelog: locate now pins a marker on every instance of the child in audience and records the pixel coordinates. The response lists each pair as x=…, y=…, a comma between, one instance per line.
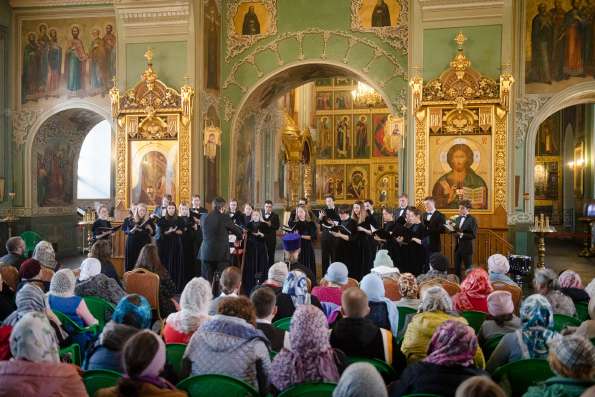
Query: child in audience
x=264, y=301
x=475, y=289
x=230, y=284
x=194, y=304
x=360, y=380
x=501, y=319
x=336, y=277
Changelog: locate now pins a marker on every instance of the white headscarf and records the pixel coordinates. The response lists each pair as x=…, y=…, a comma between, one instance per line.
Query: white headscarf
x=360, y=380
x=90, y=267
x=45, y=254
x=194, y=304
x=63, y=283
x=498, y=263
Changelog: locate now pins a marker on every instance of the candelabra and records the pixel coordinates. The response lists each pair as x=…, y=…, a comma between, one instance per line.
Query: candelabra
x=540, y=229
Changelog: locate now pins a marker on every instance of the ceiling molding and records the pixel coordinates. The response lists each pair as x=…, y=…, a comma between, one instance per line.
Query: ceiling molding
x=55, y=3
x=445, y=10
x=145, y=18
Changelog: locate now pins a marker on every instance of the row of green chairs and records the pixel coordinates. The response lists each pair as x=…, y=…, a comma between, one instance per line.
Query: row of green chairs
x=73, y=328
x=71, y=354
x=283, y=323
x=561, y=321
x=474, y=318
x=101, y=309
x=582, y=311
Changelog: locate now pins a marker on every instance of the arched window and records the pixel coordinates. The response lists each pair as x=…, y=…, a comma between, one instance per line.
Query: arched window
x=94, y=166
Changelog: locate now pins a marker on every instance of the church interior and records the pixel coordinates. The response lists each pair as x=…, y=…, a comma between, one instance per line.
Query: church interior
x=393, y=137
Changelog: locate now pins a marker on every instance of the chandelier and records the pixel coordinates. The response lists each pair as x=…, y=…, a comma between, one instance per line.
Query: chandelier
x=364, y=94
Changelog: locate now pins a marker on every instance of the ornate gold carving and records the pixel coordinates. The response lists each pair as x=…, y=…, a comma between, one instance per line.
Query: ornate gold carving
x=421, y=148
x=395, y=36
x=238, y=43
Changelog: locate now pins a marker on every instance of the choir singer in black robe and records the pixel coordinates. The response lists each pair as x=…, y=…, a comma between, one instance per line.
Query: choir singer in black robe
x=410, y=237
x=138, y=229
x=306, y=228
x=255, y=267
x=347, y=244
x=271, y=225
x=171, y=251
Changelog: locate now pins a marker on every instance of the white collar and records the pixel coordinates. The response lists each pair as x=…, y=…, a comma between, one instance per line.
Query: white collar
x=223, y=294
x=263, y=321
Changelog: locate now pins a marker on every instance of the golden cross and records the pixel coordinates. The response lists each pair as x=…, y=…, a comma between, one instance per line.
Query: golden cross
x=460, y=40
x=149, y=55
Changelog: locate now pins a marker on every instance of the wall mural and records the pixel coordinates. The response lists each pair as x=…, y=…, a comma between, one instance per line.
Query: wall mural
x=74, y=57
x=386, y=18
x=212, y=42
x=249, y=21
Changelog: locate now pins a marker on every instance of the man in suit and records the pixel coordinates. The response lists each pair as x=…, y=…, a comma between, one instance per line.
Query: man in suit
x=271, y=220
x=265, y=301
x=328, y=215
x=302, y=202
x=433, y=220
x=375, y=218
x=235, y=214
x=402, y=210
x=465, y=227
x=214, y=250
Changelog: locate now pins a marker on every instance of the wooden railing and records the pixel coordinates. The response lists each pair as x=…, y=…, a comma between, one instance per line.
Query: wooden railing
x=488, y=242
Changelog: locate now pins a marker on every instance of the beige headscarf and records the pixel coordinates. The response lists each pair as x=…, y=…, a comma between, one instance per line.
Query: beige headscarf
x=45, y=254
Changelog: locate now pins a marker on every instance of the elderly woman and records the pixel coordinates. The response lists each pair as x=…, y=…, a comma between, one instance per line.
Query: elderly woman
x=45, y=254
x=336, y=277
x=532, y=340
x=439, y=265
x=501, y=318
x=546, y=284
x=571, y=285
x=572, y=359
x=132, y=314
x=276, y=277
x=30, y=273
x=35, y=369
x=435, y=308
x=360, y=380
x=92, y=282
x=499, y=267
x=383, y=312
x=587, y=327
x=449, y=362
x=409, y=291
x=294, y=294
x=475, y=289
x=384, y=266
x=311, y=357
x=194, y=307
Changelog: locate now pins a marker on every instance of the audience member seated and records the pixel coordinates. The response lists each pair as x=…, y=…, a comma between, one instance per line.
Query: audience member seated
x=7, y=298
x=276, y=277
x=571, y=285
x=92, y=282
x=435, y=309
x=587, y=327
x=46, y=256
x=36, y=370
x=143, y=358
x=360, y=380
x=264, y=301
x=439, y=265
x=194, y=307
x=132, y=314
x=102, y=251
x=335, y=279
x=501, y=318
x=229, y=344
x=295, y=293
x=230, y=284
x=148, y=259
x=356, y=335
x=572, y=359
x=590, y=288
x=499, y=267
x=383, y=312
x=384, y=266
x=15, y=247
x=449, y=362
x=532, y=340
x=310, y=357
x=409, y=291
x=30, y=273
x=479, y=386
x=546, y=284
x=475, y=289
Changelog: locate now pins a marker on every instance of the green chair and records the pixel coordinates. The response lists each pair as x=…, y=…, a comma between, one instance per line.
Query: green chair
x=101, y=309
x=100, y=378
x=174, y=355
x=388, y=373
x=31, y=239
x=422, y=395
x=403, y=312
x=272, y=354
x=283, y=323
x=518, y=376
x=474, y=318
x=310, y=390
x=73, y=328
x=71, y=354
x=582, y=311
x=490, y=345
x=561, y=321
x=219, y=385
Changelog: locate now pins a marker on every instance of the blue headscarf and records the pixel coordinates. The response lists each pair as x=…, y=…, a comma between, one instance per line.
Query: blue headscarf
x=373, y=286
x=537, y=318
x=296, y=286
x=136, y=315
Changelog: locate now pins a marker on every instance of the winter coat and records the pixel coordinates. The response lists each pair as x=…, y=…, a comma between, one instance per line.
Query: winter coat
x=25, y=378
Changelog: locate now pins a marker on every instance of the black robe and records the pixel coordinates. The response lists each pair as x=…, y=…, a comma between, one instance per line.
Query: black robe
x=349, y=252
x=100, y=226
x=188, y=238
x=196, y=214
x=414, y=257
x=135, y=241
x=256, y=262
x=390, y=244
x=306, y=257
x=171, y=251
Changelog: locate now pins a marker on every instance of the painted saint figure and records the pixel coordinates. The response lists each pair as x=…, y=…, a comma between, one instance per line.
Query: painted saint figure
x=361, y=137
x=557, y=58
x=109, y=41
x=43, y=46
x=30, y=67
x=342, y=143
x=573, y=26
x=54, y=61
x=75, y=62
x=541, y=43
x=99, y=61
x=251, y=25
x=380, y=15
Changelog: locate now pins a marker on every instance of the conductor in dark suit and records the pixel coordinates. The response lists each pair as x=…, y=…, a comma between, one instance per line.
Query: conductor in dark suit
x=214, y=251
x=433, y=220
x=271, y=221
x=465, y=228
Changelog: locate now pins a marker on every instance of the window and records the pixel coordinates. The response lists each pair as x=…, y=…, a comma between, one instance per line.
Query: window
x=94, y=166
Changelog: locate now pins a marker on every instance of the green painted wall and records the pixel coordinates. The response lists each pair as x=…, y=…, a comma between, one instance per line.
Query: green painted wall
x=483, y=48
x=169, y=62
x=5, y=13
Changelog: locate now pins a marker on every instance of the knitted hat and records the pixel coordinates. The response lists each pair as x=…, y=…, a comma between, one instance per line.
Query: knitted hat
x=29, y=269
x=574, y=352
x=278, y=272
x=45, y=254
x=337, y=273
x=500, y=303
x=291, y=241
x=498, y=263
x=63, y=283
x=383, y=259
x=439, y=262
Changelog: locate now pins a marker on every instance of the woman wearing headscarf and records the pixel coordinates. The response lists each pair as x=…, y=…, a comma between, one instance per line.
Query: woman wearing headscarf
x=310, y=357
x=92, y=282
x=572, y=359
x=475, y=289
x=360, y=380
x=294, y=293
x=45, y=254
x=546, y=284
x=36, y=369
x=383, y=312
x=501, y=318
x=409, y=291
x=132, y=314
x=571, y=285
x=435, y=308
x=534, y=337
x=30, y=273
x=498, y=268
x=144, y=359
x=335, y=279
x=449, y=362
x=276, y=277
x=194, y=308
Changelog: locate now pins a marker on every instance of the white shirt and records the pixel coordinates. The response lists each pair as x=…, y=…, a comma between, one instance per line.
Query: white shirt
x=429, y=215
x=462, y=221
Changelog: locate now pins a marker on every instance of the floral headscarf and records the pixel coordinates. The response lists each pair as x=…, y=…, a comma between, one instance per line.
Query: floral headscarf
x=570, y=279
x=45, y=254
x=30, y=298
x=311, y=358
x=133, y=310
x=296, y=286
x=537, y=318
x=476, y=285
x=194, y=304
x=33, y=339
x=408, y=286
x=453, y=343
